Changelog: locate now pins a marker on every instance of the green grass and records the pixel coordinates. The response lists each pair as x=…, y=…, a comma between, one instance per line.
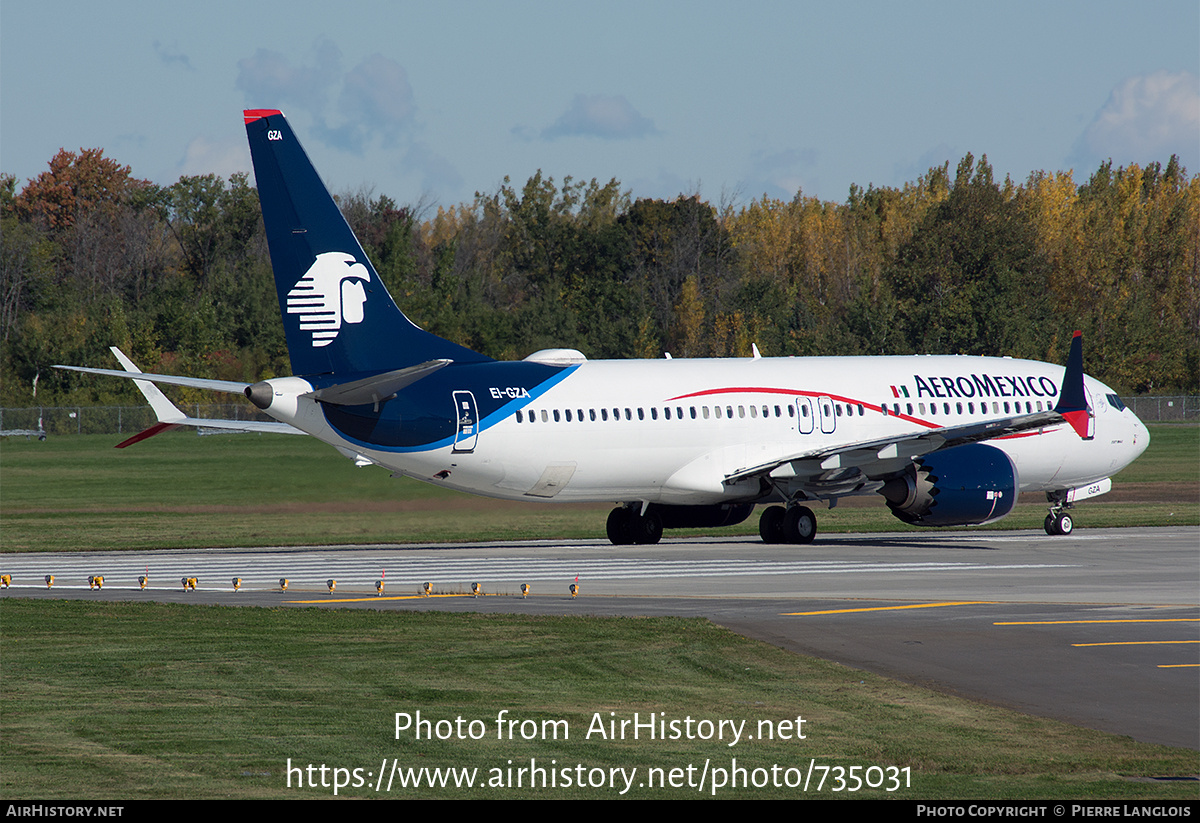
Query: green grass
x=183, y=491
x=124, y=701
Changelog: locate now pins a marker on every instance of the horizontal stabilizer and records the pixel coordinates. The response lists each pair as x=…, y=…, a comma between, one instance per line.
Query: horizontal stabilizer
x=378, y=387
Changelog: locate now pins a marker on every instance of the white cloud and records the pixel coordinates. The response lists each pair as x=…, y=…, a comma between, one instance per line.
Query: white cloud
x=269, y=79
x=1147, y=118
x=609, y=116
x=222, y=158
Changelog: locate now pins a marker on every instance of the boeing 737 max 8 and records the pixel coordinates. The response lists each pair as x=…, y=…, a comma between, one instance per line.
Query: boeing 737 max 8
x=946, y=440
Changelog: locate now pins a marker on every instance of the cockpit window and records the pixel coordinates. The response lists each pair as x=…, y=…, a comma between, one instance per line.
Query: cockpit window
x=1115, y=402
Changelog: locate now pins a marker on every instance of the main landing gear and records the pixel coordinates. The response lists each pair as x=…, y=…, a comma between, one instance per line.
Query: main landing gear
x=795, y=524
x=627, y=525
x=1058, y=522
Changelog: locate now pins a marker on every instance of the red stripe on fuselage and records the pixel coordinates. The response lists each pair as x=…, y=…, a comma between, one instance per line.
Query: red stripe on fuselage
x=837, y=397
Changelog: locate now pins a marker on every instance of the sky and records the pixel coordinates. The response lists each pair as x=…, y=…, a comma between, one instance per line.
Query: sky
x=431, y=102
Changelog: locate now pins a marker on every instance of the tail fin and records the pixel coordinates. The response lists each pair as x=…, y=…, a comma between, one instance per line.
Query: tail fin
x=337, y=315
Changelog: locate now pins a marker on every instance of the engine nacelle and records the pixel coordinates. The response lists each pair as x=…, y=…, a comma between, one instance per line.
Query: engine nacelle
x=965, y=485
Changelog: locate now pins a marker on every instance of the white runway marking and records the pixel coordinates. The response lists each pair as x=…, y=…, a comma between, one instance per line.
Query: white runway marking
x=314, y=568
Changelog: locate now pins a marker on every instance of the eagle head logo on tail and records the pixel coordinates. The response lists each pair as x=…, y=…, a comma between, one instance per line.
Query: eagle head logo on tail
x=330, y=293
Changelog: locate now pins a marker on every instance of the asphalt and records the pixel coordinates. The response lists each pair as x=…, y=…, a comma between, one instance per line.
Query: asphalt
x=1100, y=629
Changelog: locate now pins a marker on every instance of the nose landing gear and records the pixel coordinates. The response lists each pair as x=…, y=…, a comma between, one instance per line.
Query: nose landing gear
x=1058, y=522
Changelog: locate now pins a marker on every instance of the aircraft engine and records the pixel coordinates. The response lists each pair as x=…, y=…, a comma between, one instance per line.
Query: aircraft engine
x=965, y=485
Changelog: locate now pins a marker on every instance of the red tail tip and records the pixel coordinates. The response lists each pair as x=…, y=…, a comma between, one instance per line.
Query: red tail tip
x=257, y=114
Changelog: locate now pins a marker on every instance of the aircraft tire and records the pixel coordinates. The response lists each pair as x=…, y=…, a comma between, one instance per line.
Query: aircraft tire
x=646, y=529
x=1059, y=524
x=770, y=524
x=799, y=525
x=618, y=527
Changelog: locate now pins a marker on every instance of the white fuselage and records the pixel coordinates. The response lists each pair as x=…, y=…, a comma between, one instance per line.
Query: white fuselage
x=671, y=431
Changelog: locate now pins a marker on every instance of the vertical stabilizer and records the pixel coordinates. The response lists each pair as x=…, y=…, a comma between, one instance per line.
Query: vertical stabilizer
x=337, y=315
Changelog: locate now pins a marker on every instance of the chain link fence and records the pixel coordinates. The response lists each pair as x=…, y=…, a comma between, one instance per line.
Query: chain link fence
x=60, y=420
x=1179, y=409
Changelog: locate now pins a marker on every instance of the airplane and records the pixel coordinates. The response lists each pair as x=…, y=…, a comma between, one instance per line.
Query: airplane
x=675, y=443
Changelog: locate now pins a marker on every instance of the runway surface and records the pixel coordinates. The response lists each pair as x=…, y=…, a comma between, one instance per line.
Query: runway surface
x=1101, y=629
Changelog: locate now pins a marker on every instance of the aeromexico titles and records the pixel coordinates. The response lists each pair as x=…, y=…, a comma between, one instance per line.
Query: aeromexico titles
x=945, y=440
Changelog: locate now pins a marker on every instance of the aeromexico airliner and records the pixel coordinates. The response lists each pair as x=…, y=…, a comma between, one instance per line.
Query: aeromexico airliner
x=945, y=440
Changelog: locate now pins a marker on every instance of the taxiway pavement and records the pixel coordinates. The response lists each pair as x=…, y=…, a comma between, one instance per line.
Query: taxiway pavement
x=1100, y=629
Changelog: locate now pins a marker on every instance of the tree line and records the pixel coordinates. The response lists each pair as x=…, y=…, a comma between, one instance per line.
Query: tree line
x=956, y=262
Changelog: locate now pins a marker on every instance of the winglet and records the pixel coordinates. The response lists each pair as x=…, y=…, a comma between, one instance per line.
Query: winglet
x=1072, y=401
x=166, y=411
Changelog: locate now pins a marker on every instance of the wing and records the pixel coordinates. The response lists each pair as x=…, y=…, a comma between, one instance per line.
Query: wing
x=168, y=414
x=848, y=467
x=856, y=467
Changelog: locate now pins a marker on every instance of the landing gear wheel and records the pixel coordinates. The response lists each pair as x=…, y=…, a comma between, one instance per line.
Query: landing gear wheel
x=618, y=527
x=799, y=525
x=627, y=526
x=770, y=524
x=1060, y=524
x=646, y=529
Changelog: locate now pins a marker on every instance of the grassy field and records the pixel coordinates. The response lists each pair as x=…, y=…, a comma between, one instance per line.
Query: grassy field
x=124, y=701
x=183, y=491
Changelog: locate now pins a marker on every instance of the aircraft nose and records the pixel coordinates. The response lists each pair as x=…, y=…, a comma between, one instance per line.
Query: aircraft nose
x=1141, y=436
